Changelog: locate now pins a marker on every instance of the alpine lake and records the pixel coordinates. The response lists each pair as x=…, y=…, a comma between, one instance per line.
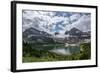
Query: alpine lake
x=55, y=52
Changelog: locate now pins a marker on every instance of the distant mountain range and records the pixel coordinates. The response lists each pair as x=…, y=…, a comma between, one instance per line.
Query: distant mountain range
x=34, y=35
x=45, y=26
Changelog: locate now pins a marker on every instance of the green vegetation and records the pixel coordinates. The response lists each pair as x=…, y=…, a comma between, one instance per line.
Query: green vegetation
x=42, y=54
x=85, y=50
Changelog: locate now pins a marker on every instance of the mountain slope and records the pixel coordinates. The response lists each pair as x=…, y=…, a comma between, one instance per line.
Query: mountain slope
x=33, y=35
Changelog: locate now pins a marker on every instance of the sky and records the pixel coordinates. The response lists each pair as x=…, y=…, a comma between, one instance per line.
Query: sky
x=56, y=21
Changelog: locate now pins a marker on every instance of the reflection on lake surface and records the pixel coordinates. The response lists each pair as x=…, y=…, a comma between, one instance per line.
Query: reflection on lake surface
x=66, y=50
x=61, y=51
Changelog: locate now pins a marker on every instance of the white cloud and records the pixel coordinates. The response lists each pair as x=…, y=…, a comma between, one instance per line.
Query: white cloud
x=47, y=21
x=75, y=17
x=83, y=23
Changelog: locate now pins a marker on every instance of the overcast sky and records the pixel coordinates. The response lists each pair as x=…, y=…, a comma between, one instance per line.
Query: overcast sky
x=56, y=21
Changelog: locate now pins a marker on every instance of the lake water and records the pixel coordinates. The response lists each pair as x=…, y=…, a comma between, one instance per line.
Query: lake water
x=61, y=49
